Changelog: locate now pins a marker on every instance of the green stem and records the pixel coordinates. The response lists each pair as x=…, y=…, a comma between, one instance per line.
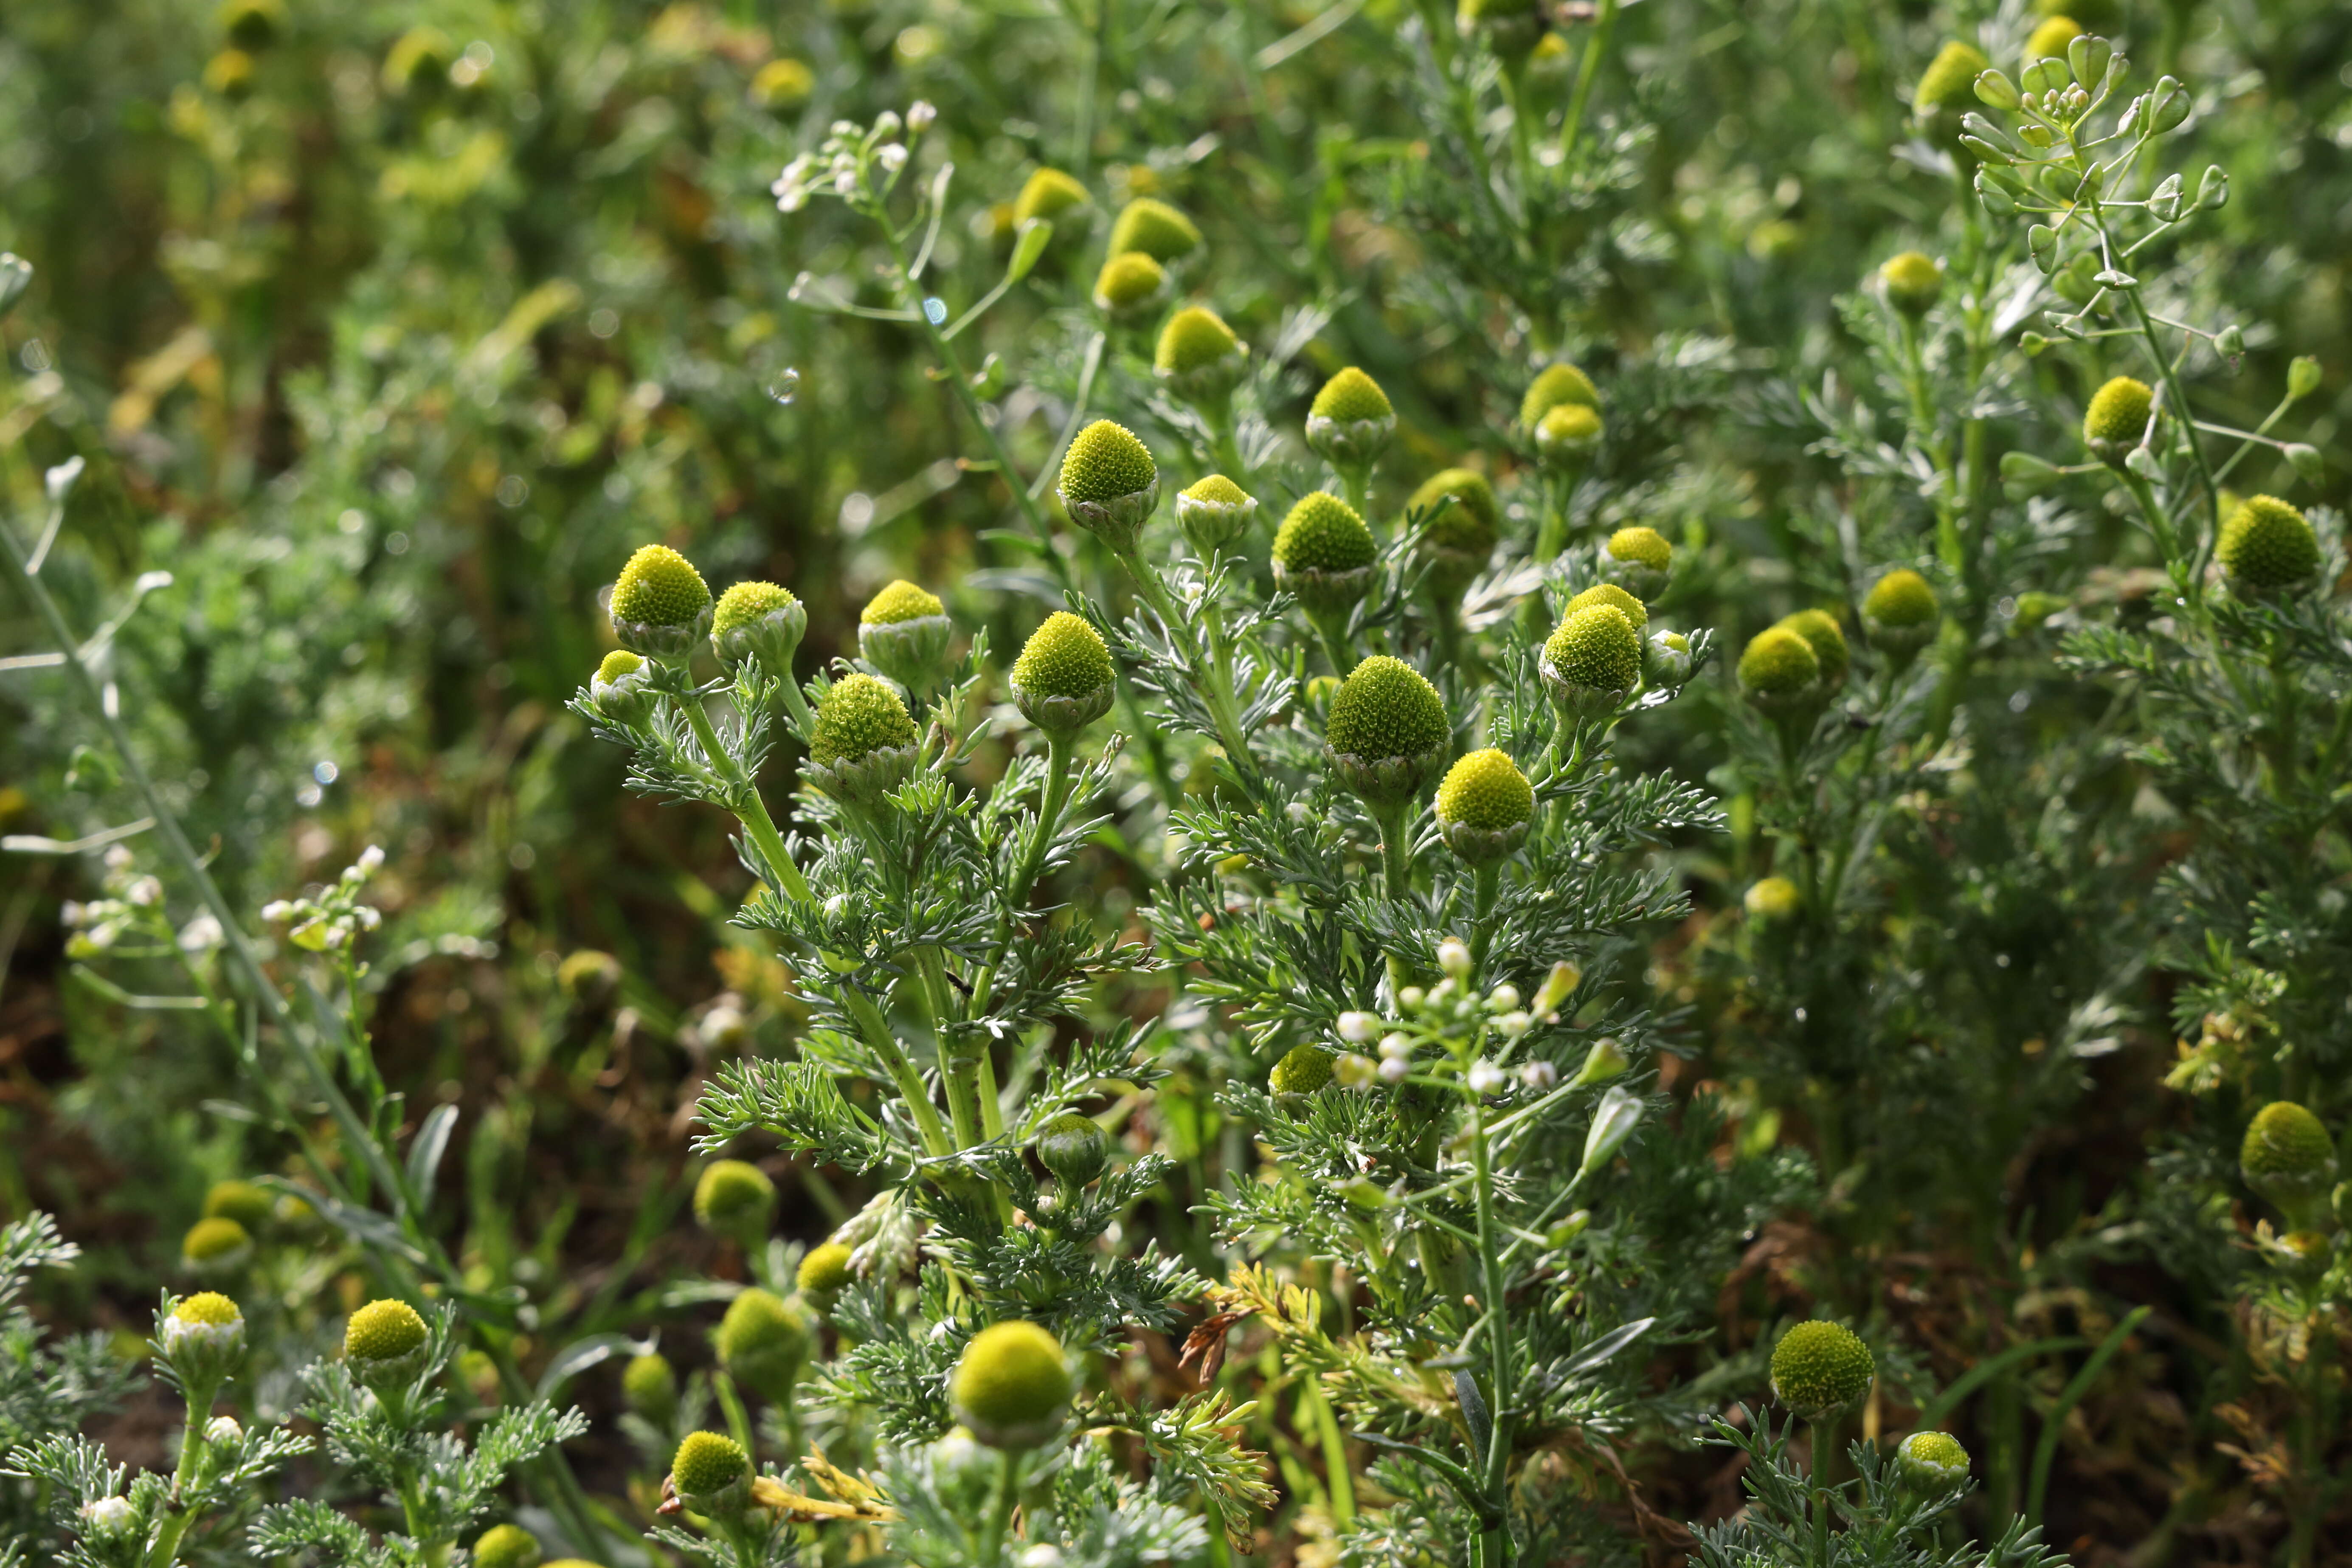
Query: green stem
x=745, y=802
x=1588, y=69
x=1822, y=1437
x=876, y=1032
x=1487, y=883
x=1000, y=1514
x=1333, y=631
x=1523, y=153
x=1339, y=1485
x=1495, y=1542
x=1396, y=849
x=2177, y=398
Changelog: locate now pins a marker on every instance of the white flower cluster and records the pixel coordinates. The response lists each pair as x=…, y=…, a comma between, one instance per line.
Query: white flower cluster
x=133, y=907
x=844, y=162
x=1451, y=1010
x=329, y=923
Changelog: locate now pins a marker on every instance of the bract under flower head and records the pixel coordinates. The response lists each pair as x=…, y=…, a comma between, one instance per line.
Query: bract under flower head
x=1639, y=560
x=759, y=621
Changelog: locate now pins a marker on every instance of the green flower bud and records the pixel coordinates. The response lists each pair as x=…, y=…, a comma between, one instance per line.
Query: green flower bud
x=202, y=1337
x=1063, y=682
x=1638, y=560
x=1912, y=283
x=762, y=1342
x=2117, y=419
x=1820, y=1370
x=1350, y=421
x=1459, y=539
x=385, y=1343
x=1615, y=597
x=2287, y=1156
x=622, y=689
x=864, y=743
x=1821, y=629
x=1512, y=29
x=1013, y=1387
x=1484, y=806
x=1130, y=287
x=1387, y=736
x=2049, y=39
x=588, y=977
x=1109, y=483
x=2266, y=548
x=661, y=605
x=243, y=1202
x=734, y=1199
x=1049, y=194
x=1592, y=661
x=1667, y=658
x=1932, y=1462
x=506, y=1546
x=218, y=1245
x=711, y=1473
x=1324, y=553
x=1074, y=1148
x=1198, y=356
x=1154, y=228
x=251, y=25
x=759, y=621
x=1300, y=1072
x=2303, y=1252
x=1779, y=672
x=1950, y=81
x=1899, y=613
x=1567, y=438
x=783, y=85
x=1772, y=901
x=824, y=1272
x=903, y=633
x=650, y=1386
x=1555, y=385
x=1215, y=512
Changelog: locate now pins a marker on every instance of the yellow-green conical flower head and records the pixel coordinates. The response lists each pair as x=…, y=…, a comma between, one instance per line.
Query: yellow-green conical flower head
x=2117, y=419
x=865, y=742
x=1388, y=735
x=1155, y=230
x=1013, y=1387
x=1199, y=356
x=2267, y=548
x=243, y=1202
x=1215, y=512
x=385, y=1343
x=1049, y=194
x=1109, y=483
x=1949, y=82
x=1351, y=421
x=202, y=1337
x=622, y=691
x=2049, y=37
x=661, y=605
x=1130, y=287
x=759, y=621
x=783, y=85
x=1075, y=1149
x=650, y=1386
x=1899, y=613
x=1772, y=900
x=504, y=1546
x=1638, y=560
x=904, y=632
x=1484, y=806
x=1301, y=1071
x=1463, y=523
x=824, y=1272
x=1616, y=598
x=734, y=1199
x=1780, y=674
x=2287, y=1156
x=711, y=1473
x=763, y=1341
x=1912, y=283
x=1324, y=553
x=588, y=977
x=217, y=1246
x=1820, y=1370
x=1932, y=1462
x=1553, y=386
x=1592, y=660
x=1063, y=682
x=1821, y=629
x=1567, y=438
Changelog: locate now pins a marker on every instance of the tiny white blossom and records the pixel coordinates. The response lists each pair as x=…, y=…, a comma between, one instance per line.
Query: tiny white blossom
x=1409, y=999
x=1045, y=1554
x=891, y=155
x=277, y=909
x=1394, y=1068
x=846, y=184
x=1454, y=957
x=845, y=127
x=200, y=935
x=1357, y=1027
x=371, y=858
x=792, y=201
x=889, y=123
x=223, y=1430
x=108, y=1515
x=1486, y=1077
x=118, y=858
x=1514, y=1025
x=144, y=891
x=1539, y=1076
x=368, y=917
x=1396, y=1047
x=919, y=115
x=1502, y=998
x=73, y=913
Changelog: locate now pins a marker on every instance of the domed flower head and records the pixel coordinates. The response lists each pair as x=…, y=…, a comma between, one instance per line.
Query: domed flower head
x=420, y=59
x=622, y=691
x=1638, y=560
x=1350, y=421
x=1155, y=230
x=1667, y=658
x=1772, y=901
x=2117, y=419
x=1912, y=283
x=1554, y=385
x=1949, y=82
x=1074, y=1148
x=1215, y=512
x=1899, y=613
x=385, y=1343
x=1198, y=356
x=1013, y=1387
x=783, y=85
x=1780, y=674
x=1464, y=522
x=1932, y=1463
x=203, y=1337
x=251, y=25
x=1484, y=806
x=650, y=1386
x=1820, y=1370
x=1063, y=682
x=216, y=1246
x=1324, y=553
x=2287, y=1156
x=243, y=1202
x=864, y=743
x=1821, y=629
x=2049, y=37
x=1130, y=287
x=904, y=632
x=1388, y=735
x=661, y=605
x=2267, y=548
x=734, y=1199
x=824, y=1273
x=588, y=977
x=504, y=1546
x=1301, y=1071
x=712, y=1474
x=762, y=1342
x=1567, y=436
x=1616, y=598
x=1512, y=29
x=1592, y=660
x=1109, y=483
x=759, y=621
x=230, y=74
x=1049, y=193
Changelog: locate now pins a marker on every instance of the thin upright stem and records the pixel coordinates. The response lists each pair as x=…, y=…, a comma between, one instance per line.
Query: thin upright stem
x=1000, y=1513
x=1588, y=69
x=745, y=802
x=1495, y=1464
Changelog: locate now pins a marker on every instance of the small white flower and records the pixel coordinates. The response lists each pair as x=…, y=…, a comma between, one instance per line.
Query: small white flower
x=73, y=913
x=919, y=115
x=1502, y=998
x=1486, y=1077
x=118, y=858
x=889, y=123
x=793, y=201
x=107, y=1516
x=1539, y=1076
x=370, y=859
x=1394, y=1069
x=845, y=127
x=891, y=155
x=368, y=916
x=223, y=1430
x=1396, y=1047
x=277, y=909
x=1514, y=1025
x=144, y=891
x=1454, y=957
x=201, y=934
x=845, y=184
x=1409, y=999
x=1357, y=1027
x=1354, y=1071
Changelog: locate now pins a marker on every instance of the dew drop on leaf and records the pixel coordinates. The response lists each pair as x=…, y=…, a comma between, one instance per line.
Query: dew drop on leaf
x=785, y=386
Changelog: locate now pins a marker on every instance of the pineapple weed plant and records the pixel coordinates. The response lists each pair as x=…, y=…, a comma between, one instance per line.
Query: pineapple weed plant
x=1290, y=951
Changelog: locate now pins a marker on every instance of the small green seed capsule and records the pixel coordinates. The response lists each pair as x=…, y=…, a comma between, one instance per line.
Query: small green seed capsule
x=1109, y=484
x=661, y=605
x=1075, y=1149
x=2117, y=419
x=1780, y=674
x=1063, y=682
x=736, y=1200
x=1820, y=1370
x=1155, y=230
x=1932, y=1463
x=1351, y=420
x=1484, y=806
x=1388, y=735
x=1013, y=1387
x=2267, y=548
